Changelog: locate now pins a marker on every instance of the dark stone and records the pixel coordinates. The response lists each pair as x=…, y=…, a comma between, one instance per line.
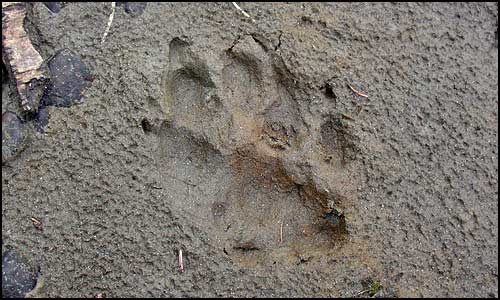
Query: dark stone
x=17, y=277
x=54, y=7
x=42, y=119
x=134, y=9
x=13, y=136
x=69, y=76
x=146, y=126
x=386, y=293
x=5, y=74
x=335, y=217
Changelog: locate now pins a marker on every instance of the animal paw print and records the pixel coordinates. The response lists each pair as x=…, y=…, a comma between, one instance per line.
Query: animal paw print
x=236, y=151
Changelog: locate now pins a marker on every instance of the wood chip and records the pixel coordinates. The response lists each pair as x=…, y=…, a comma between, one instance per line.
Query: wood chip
x=38, y=225
x=181, y=263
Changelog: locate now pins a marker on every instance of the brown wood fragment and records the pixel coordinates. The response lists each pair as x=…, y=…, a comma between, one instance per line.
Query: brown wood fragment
x=346, y=116
x=23, y=60
x=38, y=225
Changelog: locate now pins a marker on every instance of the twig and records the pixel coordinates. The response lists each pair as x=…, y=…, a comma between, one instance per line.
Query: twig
x=111, y=16
x=362, y=292
x=346, y=116
x=281, y=232
x=181, y=264
x=242, y=11
x=358, y=92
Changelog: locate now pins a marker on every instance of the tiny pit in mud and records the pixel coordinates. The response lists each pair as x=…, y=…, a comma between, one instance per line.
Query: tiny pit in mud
x=242, y=162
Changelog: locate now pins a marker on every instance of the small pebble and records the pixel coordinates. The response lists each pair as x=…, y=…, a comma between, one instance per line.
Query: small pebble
x=42, y=119
x=54, y=7
x=13, y=136
x=386, y=293
x=17, y=277
x=134, y=9
x=334, y=217
x=4, y=73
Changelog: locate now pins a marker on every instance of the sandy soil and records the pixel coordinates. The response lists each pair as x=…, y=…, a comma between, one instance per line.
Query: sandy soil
x=242, y=144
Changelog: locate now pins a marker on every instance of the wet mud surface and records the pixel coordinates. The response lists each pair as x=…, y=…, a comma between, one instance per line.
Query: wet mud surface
x=244, y=145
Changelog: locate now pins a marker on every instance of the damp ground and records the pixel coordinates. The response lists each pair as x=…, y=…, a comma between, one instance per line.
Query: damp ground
x=244, y=145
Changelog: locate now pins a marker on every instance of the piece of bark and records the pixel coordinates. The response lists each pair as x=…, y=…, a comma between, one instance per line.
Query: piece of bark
x=23, y=61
